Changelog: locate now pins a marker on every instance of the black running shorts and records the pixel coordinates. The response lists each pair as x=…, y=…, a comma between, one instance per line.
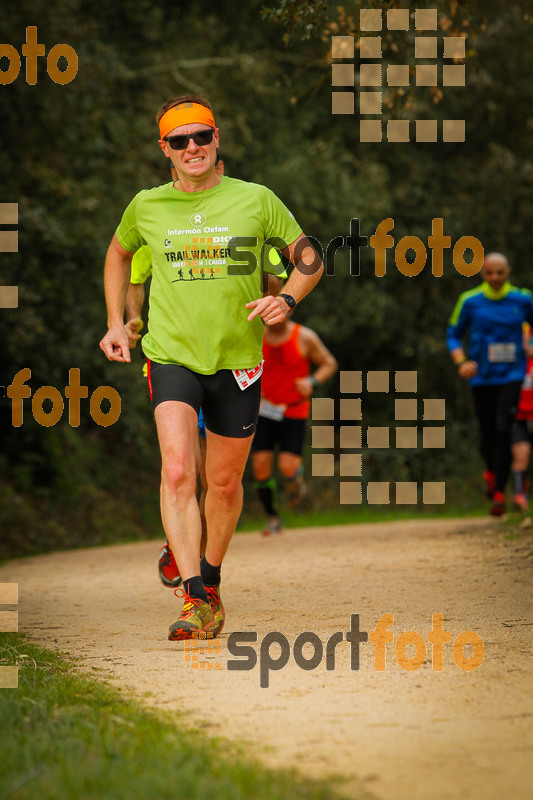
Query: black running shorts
x=289, y=434
x=522, y=431
x=228, y=410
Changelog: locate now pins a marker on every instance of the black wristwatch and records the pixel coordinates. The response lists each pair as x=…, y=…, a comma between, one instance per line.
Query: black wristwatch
x=291, y=302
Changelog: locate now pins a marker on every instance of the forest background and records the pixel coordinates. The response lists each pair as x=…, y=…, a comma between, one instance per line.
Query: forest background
x=74, y=155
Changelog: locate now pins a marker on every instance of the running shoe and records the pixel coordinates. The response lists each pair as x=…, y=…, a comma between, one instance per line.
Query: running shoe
x=273, y=526
x=168, y=569
x=196, y=620
x=498, y=507
x=520, y=503
x=490, y=483
x=217, y=608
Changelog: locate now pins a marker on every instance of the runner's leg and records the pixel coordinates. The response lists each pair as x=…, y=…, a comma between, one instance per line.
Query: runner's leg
x=485, y=404
x=262, y=463
x=177, y=431
x=263, y=446
x=290, y=459
x=203, y=491
x=289, y=464
x=264, y=481
x=224, y=467
x=506, y=404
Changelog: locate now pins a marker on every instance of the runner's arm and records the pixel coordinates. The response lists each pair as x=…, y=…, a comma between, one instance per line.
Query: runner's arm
x=117, y=272
x=271, y=284
x=308, y=269
x=134, y=306
x=457, y=328
x=317, y=352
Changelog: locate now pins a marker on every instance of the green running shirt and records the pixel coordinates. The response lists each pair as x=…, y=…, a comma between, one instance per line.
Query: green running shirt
x=141, y=265
x=197, y=313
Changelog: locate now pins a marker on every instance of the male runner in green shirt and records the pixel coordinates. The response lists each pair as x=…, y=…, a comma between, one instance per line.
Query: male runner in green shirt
x=205, y=335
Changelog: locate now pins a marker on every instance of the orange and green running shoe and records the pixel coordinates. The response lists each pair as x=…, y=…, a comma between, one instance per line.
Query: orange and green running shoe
x=217, y=608
x=196, y=620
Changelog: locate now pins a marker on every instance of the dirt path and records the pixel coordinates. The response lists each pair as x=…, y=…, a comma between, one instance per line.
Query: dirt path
x=398, y=734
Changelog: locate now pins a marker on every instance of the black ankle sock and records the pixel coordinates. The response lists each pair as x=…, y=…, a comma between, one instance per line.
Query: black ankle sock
x=210, y=574
x=194, y=587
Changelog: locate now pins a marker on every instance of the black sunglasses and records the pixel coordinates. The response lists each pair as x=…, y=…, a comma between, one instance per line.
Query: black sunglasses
x=181, y=141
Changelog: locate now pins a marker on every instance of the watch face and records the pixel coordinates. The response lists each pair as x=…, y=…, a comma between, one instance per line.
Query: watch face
x=291, y=302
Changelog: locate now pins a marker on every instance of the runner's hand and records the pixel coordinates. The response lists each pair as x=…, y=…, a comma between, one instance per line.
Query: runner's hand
x=115, y=344
x=132, y=328
x=304, y=386
x=467, y=369
x=272, y=310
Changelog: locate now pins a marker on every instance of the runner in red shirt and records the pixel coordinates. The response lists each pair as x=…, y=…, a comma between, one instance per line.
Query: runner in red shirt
x=287, y=384
x=521, y=436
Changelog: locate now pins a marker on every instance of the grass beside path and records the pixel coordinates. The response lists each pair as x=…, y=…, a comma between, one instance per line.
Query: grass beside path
x=307, y=518
x=66, y=736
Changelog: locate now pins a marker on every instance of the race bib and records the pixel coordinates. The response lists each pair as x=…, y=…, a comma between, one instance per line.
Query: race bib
x=245, y=377
x=271, y=411
x=502, y=353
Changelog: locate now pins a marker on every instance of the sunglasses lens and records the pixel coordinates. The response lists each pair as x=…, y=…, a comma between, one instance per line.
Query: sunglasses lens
x=178, y=142
x=181, y=141
x=203, y=137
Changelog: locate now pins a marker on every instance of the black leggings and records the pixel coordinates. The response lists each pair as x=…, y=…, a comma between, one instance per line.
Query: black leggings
x=495, y=410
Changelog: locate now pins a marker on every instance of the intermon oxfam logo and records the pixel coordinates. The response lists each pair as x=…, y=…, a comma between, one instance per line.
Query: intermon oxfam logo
x=197, y=219
x=31, y=50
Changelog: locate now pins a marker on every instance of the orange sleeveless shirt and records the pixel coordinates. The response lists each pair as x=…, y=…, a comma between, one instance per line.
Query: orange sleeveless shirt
x=283, y=363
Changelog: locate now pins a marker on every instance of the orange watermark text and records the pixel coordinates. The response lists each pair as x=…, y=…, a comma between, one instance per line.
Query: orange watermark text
x=31, y=51
x=410, y=648
x=74, y=392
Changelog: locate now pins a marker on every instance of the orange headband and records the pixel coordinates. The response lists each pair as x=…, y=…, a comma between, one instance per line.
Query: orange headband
x=184, y=114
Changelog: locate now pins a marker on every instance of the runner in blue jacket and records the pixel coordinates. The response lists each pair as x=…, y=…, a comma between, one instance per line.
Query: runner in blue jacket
x=493, y=316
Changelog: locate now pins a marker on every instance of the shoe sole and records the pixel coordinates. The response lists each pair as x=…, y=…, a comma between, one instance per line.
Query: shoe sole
x=173, y=584
x=270, y=532
x=182, y=634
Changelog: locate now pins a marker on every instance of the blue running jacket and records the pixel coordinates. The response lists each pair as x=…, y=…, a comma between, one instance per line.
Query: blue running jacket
x=494, y=322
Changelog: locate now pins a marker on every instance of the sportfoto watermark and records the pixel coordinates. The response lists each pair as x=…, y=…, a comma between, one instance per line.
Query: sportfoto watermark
x=18, y=390
x=9, y=623
x=381, y=241
x=9, y=243
x=378, y=81
x=31, y=50
x=247, y=657
x=419, y=424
